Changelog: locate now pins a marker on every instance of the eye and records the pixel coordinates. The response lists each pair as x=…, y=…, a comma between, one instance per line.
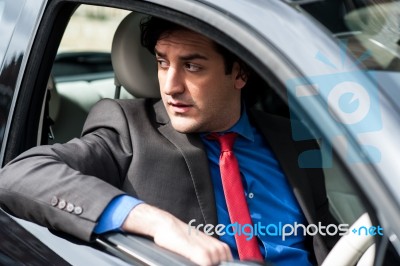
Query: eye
x=162, y=63
x=192, y=67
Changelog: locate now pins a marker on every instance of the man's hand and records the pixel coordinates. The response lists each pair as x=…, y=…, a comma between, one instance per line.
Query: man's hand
x=173, y=234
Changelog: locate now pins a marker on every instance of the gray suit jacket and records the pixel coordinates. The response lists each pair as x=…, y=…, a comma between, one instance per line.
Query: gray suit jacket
x=130, y=146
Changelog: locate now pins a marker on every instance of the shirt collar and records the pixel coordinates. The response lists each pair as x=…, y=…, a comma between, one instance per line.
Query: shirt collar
x=243, y=127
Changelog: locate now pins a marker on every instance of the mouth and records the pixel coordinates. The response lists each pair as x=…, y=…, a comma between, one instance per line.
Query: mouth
x=179, y=107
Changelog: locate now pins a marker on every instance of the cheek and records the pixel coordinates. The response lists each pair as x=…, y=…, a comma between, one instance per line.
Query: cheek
x=220, y=91
x=160, y=79
x=206, y=90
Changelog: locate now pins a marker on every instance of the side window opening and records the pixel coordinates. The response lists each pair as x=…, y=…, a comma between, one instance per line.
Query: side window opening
x=82, y=71
x=348, y=203
x=350, y=206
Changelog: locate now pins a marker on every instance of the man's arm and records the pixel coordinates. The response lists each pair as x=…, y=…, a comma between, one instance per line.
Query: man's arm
x=166, y=230
x=173, y=234
x=68, y=186
x=60, y=187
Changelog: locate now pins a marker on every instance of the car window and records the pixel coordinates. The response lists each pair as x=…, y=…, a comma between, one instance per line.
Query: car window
x=353, y=211
x=82, y=72
x=369, y=32
x=2, y=4
x=91, y=28
x=8, y=21
x=369, y=29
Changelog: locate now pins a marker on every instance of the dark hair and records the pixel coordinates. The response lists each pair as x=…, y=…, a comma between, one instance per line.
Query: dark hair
x=152, y=28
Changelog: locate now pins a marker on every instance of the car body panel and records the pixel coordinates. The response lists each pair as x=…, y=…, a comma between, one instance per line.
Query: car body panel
x=18, y=246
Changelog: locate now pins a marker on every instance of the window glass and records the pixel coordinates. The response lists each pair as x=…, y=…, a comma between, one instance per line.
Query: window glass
x=9, y=13
x=370, y=31
x=2, y=4
x=86, y=45
x=82, y=72
x=369, y=28
x=91, y=28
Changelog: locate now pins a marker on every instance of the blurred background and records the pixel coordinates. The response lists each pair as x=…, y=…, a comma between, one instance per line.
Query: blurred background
x=91, y=27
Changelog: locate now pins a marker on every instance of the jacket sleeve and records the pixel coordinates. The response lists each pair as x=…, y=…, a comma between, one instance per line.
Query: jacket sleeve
x=67, y=186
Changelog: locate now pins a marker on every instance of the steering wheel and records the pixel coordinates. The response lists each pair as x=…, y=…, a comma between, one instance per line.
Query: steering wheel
x=354, y=247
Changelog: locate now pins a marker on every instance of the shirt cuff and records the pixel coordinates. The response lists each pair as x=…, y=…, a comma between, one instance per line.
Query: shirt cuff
x=115, y=214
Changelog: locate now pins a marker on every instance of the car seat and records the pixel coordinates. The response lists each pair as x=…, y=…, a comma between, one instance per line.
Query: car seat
x=135, y=71
x=135, y=67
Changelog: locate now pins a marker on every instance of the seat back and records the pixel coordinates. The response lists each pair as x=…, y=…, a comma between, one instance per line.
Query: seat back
x=135, y=67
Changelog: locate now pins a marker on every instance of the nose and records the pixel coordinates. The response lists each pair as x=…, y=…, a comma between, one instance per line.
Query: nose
x=172, y=81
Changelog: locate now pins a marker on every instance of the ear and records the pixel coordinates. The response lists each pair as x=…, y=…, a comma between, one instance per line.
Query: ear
x=239, y=77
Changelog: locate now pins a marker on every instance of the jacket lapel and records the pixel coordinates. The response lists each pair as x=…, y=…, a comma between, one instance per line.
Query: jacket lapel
x=281, y=143
x=192, y=150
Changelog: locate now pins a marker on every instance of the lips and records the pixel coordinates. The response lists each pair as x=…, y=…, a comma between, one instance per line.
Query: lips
x=180, y=107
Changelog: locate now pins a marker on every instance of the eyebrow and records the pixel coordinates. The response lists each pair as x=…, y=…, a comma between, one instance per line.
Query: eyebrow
x=185, y=57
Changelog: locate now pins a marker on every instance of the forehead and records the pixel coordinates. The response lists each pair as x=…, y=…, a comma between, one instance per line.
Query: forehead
x=185, y=39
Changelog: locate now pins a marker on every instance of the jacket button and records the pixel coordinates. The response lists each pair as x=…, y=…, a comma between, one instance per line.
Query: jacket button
x=78, y=210
x=70, y=207
x=54, y=201
x=62, y=204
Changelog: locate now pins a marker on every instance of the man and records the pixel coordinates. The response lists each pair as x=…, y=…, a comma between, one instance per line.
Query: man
x=151, y=167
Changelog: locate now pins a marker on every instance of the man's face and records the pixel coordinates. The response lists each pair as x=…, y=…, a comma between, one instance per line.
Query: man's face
x=196, y=92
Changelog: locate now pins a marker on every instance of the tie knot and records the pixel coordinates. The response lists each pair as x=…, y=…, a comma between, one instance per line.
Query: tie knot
x=226, y=140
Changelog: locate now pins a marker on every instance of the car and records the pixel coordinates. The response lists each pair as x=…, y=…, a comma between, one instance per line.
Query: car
x=332, y=67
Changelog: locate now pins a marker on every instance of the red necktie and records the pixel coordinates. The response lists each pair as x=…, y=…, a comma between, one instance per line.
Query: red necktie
x=234, y=196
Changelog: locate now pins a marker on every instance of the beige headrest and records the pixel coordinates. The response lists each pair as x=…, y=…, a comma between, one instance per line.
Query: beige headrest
x=135, y=67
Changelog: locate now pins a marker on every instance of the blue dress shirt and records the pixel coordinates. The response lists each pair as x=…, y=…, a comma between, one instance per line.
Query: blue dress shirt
x=269, y=197
x=115, y=214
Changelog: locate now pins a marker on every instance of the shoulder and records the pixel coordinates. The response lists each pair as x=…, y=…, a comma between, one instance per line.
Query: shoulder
x=111, y=108
x=125, y=104
x=117, y=114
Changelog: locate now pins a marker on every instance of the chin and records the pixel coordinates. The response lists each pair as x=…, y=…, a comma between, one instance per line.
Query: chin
x=183, y=125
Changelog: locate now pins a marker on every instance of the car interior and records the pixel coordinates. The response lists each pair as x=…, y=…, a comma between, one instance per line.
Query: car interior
x=79, y=79
x=364, y=26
